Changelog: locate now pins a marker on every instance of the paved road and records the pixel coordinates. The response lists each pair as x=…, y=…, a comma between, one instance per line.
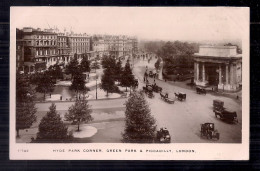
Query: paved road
x=95, y=104
x=183, y=119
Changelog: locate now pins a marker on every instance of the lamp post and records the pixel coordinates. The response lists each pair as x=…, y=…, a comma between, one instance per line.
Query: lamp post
x=96, y=77
x=96, y=86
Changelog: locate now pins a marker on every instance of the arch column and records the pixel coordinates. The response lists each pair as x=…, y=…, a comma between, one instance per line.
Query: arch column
x=203, y=72
x=227, y=74
x=220, y=75
x=198, y=71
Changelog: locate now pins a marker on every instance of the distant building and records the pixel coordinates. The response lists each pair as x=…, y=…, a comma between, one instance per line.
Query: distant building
x=117, y=46
x=63, y=48
x=19, y=50
x=79, y=44
x=219, y=66
x=37, y=50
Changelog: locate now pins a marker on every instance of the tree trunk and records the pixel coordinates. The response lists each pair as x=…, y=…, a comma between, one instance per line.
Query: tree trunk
x=17, y=133
x=78, y=126
x=107, y=93
x=126, y=89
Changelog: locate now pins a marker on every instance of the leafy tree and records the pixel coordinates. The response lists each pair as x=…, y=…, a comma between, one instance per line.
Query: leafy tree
x=55, y=71
x=140, y=125
x=44, y=83
x=78, y=83
x=118, y=71
x=110, y=62
x=51, y=127
x=79, y=112
x=127, y=79
x=177, y=57
x=72, y=67
x=85, y=64
x=108, y=82
x=25, y=106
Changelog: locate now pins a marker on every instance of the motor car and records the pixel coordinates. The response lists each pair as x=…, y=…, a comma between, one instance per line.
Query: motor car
x=180, y=96
x=208, y=130
x=200, y=90
x=163, y=136
x=165, y=97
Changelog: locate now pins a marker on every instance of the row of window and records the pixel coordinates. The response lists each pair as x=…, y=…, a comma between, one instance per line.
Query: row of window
x=78, y=39
x=61, y=39
x=46, y=52
x=46, y=37
x=79, y=44
x=62, y=44
x=45, y=43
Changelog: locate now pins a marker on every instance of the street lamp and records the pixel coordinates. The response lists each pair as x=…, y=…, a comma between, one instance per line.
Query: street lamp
x=96, y=78
x=96, y=86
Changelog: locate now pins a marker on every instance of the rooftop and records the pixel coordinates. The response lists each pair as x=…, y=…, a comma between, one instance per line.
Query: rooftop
x=218, y=51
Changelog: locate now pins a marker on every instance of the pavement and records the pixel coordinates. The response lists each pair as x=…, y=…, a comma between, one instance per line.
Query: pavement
x=95, y=104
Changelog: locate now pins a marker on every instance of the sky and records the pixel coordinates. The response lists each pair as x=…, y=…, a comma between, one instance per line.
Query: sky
x=155, y=23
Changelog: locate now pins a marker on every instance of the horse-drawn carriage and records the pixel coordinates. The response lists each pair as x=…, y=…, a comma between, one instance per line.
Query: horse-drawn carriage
x=148, y=89
x=208, y=130
x=163, y=136
x=165, y=97
x=156, y=88
x=180, y=96
x=223, y=113
x=200, y=90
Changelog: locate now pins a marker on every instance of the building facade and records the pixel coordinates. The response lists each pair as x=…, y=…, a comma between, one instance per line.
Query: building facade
x=63, y=49
x=37, y=50
x=218, y=66
x=117, y=46
x=79, y=44
x=19, y=50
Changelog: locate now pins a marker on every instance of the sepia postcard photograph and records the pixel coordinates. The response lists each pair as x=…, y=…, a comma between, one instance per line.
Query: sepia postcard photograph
x=129, y=83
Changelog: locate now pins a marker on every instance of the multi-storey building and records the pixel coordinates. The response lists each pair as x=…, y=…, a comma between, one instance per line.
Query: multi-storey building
x=117, y=46
x=38, y=50
x=79, y=44
x=19, y=50
x=63, y=49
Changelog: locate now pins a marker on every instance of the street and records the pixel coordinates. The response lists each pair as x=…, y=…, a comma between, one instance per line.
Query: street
x=182, y=119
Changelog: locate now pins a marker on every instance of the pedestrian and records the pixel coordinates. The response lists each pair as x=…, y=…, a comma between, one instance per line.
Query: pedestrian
x=61, y=98
x=237, y=97
x=50, y=95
